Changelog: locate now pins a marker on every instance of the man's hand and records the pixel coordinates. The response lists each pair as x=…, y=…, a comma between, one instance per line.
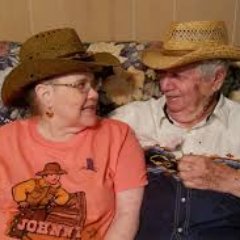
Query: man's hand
x=201, y=172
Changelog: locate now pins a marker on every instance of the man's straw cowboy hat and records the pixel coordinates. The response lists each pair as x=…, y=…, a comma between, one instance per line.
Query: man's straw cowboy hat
x=191, y=42
x=49, y=54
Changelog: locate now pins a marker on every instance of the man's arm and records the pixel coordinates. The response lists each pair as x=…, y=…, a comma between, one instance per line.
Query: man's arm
x=202, y=172
x=126, y=220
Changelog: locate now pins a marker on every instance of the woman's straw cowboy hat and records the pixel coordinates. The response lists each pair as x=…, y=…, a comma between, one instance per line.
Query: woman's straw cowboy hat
x=49, y=54
x=51, y=168
x=191, y=42
x=62, y=43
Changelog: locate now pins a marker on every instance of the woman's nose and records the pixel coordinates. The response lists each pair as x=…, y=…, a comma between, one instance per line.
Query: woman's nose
x=93, y=94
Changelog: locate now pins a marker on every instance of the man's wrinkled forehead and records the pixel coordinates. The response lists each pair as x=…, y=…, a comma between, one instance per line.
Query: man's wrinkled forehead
x=186, y=68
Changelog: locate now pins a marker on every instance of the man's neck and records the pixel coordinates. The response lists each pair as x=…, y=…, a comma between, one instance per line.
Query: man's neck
x=188, y=119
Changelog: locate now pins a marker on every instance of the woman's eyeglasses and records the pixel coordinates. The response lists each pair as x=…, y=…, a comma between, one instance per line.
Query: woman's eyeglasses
x=83, y=87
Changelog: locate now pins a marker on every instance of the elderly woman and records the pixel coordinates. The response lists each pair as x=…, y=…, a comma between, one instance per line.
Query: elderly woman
x=65, y=173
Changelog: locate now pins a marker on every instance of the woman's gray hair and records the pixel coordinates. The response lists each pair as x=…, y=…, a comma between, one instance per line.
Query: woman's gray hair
x=208, y=67
x=32, y=102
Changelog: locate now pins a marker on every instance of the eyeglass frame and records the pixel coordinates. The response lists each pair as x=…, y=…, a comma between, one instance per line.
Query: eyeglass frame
x=77, y=85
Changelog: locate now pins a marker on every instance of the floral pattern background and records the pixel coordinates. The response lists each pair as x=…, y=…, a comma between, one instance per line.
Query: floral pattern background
x=133, y=82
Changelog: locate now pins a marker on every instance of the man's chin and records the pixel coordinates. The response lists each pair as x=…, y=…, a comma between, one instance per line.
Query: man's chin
x=174, y=108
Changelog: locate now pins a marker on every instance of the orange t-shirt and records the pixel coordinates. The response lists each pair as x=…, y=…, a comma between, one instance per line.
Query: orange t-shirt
x=65, y=190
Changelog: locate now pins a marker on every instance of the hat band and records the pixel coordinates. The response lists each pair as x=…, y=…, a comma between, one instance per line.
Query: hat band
x=83, y=56
x=176, y=53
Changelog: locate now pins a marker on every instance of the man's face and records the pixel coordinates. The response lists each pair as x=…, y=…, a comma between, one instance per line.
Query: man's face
x=185, y=88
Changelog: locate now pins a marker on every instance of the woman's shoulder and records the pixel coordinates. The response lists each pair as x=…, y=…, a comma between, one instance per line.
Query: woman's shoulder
x=114, y=124
x=9, y=128
x=113, y=131
x=138, y=106
x=112, y=128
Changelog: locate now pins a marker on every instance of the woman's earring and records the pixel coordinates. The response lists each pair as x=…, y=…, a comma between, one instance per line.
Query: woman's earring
x=49, y=112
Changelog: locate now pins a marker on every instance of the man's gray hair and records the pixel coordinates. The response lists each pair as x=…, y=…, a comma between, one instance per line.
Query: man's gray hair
x=208, y=67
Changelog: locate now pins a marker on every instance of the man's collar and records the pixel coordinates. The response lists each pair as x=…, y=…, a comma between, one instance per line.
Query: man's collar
x=162, y=109
x=220, y=111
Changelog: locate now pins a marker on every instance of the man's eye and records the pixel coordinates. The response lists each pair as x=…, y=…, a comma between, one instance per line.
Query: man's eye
x=175, y=75
x=161, y=76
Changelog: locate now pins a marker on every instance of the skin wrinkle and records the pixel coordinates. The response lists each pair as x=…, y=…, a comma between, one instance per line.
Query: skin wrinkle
x=188, y=97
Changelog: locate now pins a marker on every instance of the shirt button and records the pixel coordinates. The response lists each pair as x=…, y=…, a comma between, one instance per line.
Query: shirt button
x=180, y=230
x=183, y=199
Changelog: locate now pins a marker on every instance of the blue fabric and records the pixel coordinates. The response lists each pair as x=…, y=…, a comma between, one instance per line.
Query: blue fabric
x=172, y=212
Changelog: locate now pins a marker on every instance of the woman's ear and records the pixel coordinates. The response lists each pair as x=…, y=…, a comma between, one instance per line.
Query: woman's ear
x=44, y=94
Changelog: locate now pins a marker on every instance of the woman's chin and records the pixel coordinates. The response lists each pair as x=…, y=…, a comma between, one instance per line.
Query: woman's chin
x=89, y=121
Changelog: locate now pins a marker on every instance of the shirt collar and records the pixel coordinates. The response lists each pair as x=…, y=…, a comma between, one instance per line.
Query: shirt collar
x=221, y=111
x=161, y=114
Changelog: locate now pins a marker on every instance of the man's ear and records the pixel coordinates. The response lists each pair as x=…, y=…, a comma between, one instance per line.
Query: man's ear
x=44, y=94
x=219, y=77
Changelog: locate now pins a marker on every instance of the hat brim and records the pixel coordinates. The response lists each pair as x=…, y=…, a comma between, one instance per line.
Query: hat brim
x=157, y=59
x=103, y=59
x=32, y=72
x=42, y=173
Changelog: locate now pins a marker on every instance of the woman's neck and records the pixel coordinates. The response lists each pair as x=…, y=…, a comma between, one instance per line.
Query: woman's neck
x=188, y=119
x=51, y=130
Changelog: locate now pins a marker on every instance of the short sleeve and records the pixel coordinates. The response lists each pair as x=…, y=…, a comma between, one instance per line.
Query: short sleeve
x=131, y=169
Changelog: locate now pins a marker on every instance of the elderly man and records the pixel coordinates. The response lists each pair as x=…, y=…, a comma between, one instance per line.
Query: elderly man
x=201, y=128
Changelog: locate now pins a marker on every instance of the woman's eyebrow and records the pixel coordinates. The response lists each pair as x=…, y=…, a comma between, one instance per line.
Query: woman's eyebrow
x=84, y=79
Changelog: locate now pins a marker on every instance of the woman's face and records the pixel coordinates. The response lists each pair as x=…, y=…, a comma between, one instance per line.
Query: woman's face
x=74, y=99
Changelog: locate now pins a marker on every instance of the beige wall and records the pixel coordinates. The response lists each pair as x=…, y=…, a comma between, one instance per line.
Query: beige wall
x=122, y=20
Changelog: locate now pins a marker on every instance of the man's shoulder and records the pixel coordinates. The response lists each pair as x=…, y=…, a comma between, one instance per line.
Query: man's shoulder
x=141, y=104
x=137, y=109
x=233, y=107
x=229, y=111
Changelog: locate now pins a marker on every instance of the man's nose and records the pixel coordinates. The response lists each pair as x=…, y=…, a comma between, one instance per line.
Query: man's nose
x=166, y=83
